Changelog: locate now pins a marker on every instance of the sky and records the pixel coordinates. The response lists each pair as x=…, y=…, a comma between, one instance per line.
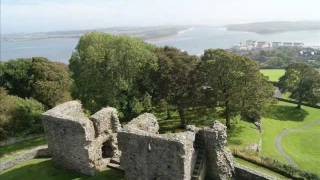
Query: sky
x=27, y=16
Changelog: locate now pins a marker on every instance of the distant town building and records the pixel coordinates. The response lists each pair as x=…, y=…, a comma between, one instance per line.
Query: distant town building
x=287, y=44
x=252, y=45
x=263, y=45
x=276, y=44
x=298, y=44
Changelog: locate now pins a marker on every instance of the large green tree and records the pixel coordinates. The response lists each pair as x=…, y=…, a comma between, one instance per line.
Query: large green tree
x=113, y=71
x=303, y=83
x=236, y=84
x=174, y=79
x=50, y=82
x=15, y=77
x=46, y=81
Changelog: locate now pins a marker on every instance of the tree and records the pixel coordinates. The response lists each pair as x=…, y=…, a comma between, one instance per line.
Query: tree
x=236, y=84
x=50, y=81
x=38, y=78
x=15, y=77
x=173, y=79
x=113, y=71
x=303, y=82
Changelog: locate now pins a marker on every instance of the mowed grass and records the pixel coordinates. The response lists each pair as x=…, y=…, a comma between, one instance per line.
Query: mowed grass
x=242, y=135
x=304, y=147
x=286, y=116
x=44, y=169
x=273, y=74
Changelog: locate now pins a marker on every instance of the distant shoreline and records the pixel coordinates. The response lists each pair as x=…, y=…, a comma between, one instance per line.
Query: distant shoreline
x=275, y=27
x=146, y=33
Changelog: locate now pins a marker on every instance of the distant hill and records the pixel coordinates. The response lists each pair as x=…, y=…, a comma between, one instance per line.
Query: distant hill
x=275, y=26
x=145, y=33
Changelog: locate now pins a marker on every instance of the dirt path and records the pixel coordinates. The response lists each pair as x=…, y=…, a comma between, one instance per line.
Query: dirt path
x=285, y=132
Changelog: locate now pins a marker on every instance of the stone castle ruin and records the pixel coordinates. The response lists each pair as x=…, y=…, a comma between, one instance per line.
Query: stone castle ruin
x=88, y=144
x=80, y=143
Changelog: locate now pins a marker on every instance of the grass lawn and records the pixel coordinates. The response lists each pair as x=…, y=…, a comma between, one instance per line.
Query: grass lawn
x=43, y=169
x=304, y=147
x=285, y=115
x=273, y=74
x=242, y=135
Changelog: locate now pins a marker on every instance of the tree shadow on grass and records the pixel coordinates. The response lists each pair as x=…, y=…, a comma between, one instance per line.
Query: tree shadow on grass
x=285, y=113
x=46, y=170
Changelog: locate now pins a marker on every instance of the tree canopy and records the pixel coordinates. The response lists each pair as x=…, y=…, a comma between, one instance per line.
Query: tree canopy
x=44, y=80
x=303, y=83
x=236, y=84
x=113, y=71
x=174, y=79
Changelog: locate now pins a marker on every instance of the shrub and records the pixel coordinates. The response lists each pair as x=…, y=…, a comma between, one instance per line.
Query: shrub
x=19, y=116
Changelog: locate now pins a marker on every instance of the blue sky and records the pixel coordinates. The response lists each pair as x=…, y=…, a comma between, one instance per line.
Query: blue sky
x=51, y=15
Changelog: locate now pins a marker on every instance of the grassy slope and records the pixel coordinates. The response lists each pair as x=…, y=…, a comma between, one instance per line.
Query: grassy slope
x=243, y=134
x=285, y=115
x=304, y=148
x=44, y=169
x=273, y=74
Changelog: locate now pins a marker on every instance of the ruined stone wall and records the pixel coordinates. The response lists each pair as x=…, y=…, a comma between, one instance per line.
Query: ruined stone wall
x=219, y=158
x=75, y=141
x=86, y=144
x=145, y=122
x=242, y=172
x=146, y=156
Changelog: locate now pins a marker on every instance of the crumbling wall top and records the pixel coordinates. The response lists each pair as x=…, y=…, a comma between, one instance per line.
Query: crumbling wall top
x=71, y=110
x=145, y=122
x=106, y=120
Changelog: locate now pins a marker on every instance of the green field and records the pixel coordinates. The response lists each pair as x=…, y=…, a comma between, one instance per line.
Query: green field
x=273, y=74
x=304, y=148
x=300, y=146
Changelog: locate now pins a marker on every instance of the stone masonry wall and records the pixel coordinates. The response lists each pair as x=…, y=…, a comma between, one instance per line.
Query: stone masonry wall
x=146, y=156
x=74, y=141
x=219, y=158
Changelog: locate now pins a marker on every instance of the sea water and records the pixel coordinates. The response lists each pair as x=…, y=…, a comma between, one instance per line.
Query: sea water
x=194, y=40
